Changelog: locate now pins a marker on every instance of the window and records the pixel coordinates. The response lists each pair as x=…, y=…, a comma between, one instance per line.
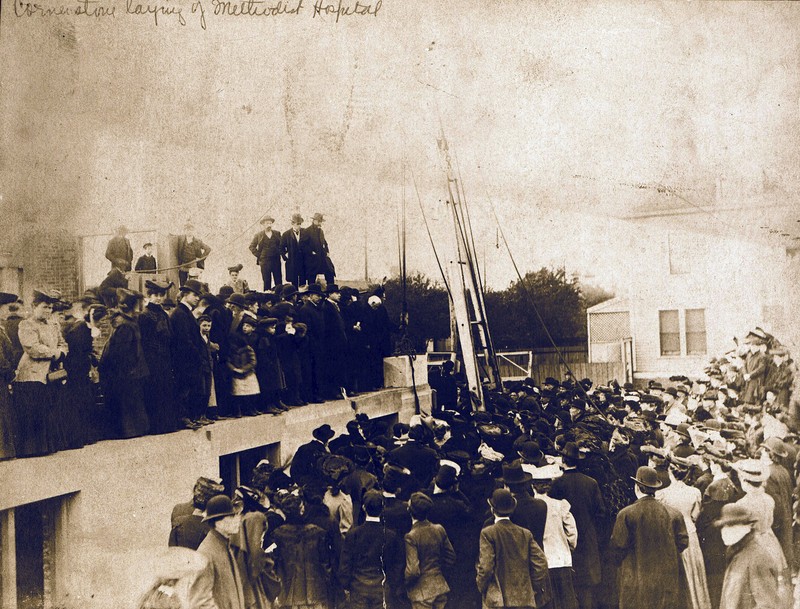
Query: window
x=670, y=332
x=695, y=332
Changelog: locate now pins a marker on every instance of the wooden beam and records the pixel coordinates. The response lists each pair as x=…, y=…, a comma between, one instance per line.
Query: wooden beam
x=8, y=560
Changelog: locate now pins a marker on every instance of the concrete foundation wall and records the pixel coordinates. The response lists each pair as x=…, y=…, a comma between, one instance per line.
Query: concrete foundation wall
x=118, y=495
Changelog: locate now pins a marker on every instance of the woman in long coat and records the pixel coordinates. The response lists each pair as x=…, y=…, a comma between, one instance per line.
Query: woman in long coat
x=123, y=370
x=159, y=386
x=242, y=366
x=42, y=345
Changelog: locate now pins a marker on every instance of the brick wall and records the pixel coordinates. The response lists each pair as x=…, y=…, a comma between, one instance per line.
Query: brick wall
x=49, y=259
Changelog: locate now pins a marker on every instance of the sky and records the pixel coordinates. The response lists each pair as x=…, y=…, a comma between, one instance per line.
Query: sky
x=554, y=114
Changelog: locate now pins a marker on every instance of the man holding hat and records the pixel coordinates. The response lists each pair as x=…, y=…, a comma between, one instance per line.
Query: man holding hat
x=222, y=587
x=755, y=577
x=189, y=354
x=648, y=538
x=293, y=244
x=316, y=253
x=511, y=569
x=266, y=247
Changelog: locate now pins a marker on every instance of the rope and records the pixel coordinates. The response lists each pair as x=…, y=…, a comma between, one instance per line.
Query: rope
x=528, y=291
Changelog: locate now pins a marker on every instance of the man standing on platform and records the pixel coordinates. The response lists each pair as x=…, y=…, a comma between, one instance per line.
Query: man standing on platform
x=317, y=254
x=192, y=253
x=119, y=251
x=189, y=354
x=266, y=247
x=292, y=246
x=146, y=262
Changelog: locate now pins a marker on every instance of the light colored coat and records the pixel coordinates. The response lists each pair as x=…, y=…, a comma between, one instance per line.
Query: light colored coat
x=41, y=342
x=755, y=577
x=220, y=587
x=560, y=532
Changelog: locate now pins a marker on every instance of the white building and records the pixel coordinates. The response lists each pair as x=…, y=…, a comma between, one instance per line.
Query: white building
x=699, y=277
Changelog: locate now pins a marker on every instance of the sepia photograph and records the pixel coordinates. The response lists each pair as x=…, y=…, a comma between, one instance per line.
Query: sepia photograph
x=399, y=304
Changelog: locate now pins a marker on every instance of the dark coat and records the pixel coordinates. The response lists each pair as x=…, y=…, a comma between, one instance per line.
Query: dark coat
x=647, y=540
x=372, y=560
x=583, y=494
x=146, y=263
x=189, y=351
x=268, y=365
x=189, y=252
x=395, y=515
x=512, y=568
x=189, y=532
x=531, y=514
x=379, y=330
x=303, y=563
x=266, y=249
x=315, y=252
x=304, y=462
x=421, y=461
x=119, y=253
x=80, y=357
x=227, y=589
x=292, y=253
x=156, y=333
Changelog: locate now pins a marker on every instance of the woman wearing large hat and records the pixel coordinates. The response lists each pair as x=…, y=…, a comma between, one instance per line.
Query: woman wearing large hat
x=43, y=346
x=123, y=370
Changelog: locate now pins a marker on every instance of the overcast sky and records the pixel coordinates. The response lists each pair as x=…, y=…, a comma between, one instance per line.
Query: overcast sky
x=555, y=111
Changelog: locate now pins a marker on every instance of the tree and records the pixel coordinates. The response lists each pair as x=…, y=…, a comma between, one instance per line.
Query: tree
x=513, y=321
x=428, y=308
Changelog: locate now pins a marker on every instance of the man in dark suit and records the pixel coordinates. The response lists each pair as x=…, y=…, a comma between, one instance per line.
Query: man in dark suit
x=293, y=243
x=188, y=356
x=335, y=344
x=372, y=562
x=511, y=568
x=312, y=316
x=266, y=246
x=648, y=540
x=530, y=513
x=119, y=251
x=222, y=586
x=583, y=494
x=191, y=253
x=316, y=253
x=304, y=463
x=422, y=461
x=146, y=262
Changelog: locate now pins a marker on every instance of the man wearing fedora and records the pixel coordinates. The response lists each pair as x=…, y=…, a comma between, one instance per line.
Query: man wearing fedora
x=119, y=251
x=316, y=252
x=755, y=576
x=293, y=246
x=588, y=507
x=310, y=314
x=191, y=253
x=222, y=587
x=188, y=356
x=335, y=343
x=647, y=541
x=266, y=247
x=511, y=568
x=530, y=513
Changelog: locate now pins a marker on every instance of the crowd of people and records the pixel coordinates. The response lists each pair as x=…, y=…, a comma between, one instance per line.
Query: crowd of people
x=560, y=495
x=78, y=372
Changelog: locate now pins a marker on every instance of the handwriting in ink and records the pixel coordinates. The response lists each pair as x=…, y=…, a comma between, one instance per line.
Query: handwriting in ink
x=255, y=8
x=321, y=7
x=133, y=8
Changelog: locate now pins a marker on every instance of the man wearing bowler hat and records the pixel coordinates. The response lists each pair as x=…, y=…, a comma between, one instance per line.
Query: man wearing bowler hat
x=317, y=253
x=266, y=247
x=647, y=541
x=188, y=356
x=293, y=244
x=221, y=584
x=512, y=568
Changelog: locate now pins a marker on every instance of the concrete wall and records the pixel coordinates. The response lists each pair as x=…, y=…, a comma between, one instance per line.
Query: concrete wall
x=115, y=518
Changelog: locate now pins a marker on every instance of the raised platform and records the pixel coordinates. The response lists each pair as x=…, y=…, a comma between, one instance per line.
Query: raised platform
x=110, y=502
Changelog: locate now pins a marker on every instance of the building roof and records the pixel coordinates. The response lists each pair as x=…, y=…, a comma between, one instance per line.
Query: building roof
x=615, y=305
